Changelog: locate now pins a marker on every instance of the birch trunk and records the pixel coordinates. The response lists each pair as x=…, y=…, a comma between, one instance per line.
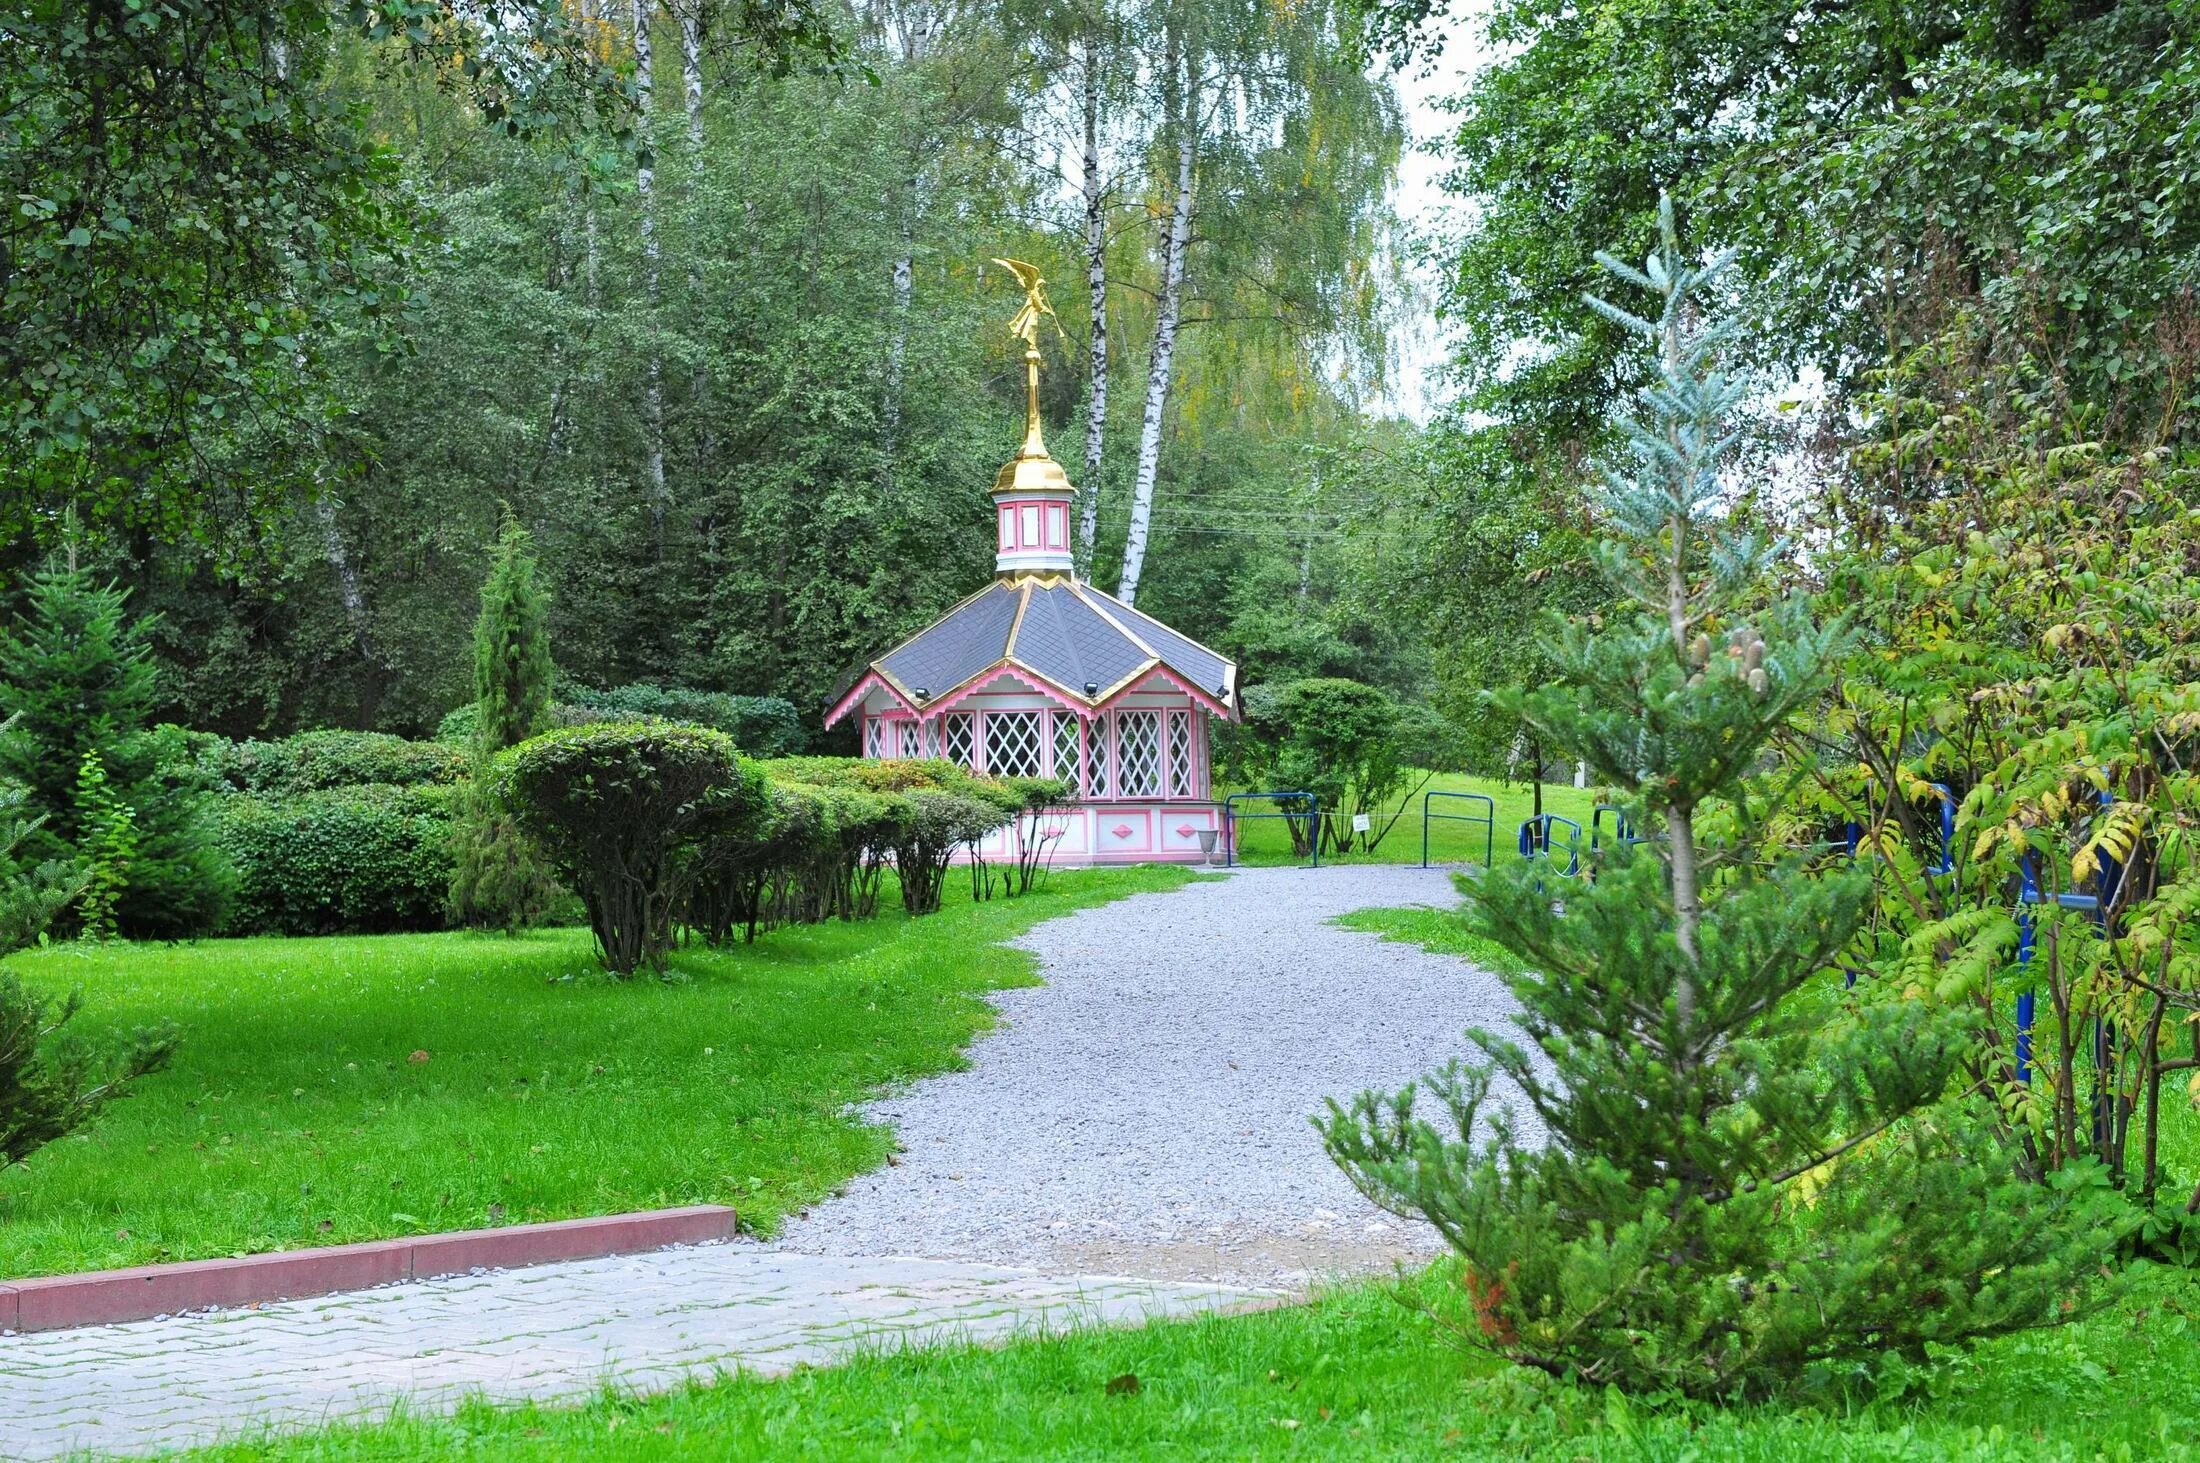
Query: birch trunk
x=645, y=188
x=1163, y=361
x=348, y=588
x=1096, y=281
x=916, y=38
x=691, y=73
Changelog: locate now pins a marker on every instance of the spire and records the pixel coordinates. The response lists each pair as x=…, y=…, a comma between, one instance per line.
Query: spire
x=1032, y=494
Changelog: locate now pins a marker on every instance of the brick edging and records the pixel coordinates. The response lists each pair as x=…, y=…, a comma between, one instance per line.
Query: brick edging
x=98, y=1297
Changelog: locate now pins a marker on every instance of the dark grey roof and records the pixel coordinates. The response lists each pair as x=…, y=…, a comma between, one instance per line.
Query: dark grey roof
x=1067, y=633
x=957, y=646
x=1187, y=657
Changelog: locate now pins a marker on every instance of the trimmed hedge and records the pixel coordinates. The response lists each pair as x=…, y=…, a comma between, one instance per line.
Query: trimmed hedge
x=314, y=760
x=761, y=726
x=372, y=859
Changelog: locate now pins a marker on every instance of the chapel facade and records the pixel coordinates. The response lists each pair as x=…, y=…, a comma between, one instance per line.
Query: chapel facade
x=1042, y=674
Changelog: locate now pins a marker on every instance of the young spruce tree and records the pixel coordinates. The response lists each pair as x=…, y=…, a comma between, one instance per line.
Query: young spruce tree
x=499, y=878
x=50, y=1084
x=1731, y=1176
x=77, y=681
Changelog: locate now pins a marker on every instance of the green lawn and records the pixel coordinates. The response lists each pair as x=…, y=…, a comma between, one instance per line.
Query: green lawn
x=1266, y=840
x=346, y=1089
x=1354, y=1375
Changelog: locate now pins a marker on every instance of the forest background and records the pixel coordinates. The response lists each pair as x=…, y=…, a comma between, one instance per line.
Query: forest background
x=736, y=356
x=707, y=301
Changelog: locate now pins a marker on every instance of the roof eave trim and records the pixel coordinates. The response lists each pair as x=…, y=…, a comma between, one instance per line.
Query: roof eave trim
x=872, y=676
x=1174, y=677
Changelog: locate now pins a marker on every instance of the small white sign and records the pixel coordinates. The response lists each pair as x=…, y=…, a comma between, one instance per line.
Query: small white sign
x=1361, y=822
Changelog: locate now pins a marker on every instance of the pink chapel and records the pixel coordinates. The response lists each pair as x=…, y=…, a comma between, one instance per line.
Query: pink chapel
x=1040, y=674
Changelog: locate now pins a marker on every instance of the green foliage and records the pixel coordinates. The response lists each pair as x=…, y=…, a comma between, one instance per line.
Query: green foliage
x=949, y=811
x=198, y=213
x=617, y=808
x=108, y=845
x=50, y=1084
x=77, y=679
x=762, y=726
x=1501, y=543
x=820, y=854
x=1334, y=738
x=498, y=877
x=341, y=859
x=32, y=896
x=2028, y=594
x=1734, y=1185
x=511, y=646
x=314, y=760
x=1873, y=167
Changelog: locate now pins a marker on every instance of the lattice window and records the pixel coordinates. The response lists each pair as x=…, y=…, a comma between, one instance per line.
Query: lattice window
x=1098, y=764
x=1180, y=754
x=957, y=738
x=1012, y=745
x=874, y=736
x=1067, y=745
x=1138, y=754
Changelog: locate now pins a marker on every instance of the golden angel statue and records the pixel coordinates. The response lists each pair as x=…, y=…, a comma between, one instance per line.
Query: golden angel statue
x=1025, y=327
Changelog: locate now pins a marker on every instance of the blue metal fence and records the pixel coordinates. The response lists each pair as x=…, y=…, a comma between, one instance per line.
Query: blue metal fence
x=1230, y=816
x=1487, y=818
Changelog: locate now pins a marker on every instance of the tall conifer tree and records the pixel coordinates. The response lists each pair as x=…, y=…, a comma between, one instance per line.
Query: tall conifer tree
x=498, y=878
x=1724, y=1181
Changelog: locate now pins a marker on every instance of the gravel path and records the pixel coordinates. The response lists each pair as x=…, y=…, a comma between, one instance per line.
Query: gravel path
x=1144, y=1112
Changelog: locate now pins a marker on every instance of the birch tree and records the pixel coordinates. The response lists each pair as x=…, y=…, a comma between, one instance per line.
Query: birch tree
x=1181, y=109
x=1096, y=280
x=1272, y=153
x=645, y=189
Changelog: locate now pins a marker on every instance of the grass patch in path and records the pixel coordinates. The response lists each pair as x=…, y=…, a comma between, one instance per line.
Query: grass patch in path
x=1441, y=931
x=355, y=1088
x=1354, y=1375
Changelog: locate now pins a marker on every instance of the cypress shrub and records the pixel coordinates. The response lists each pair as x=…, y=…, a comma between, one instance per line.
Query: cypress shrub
x=77, y=679
x=499, y=878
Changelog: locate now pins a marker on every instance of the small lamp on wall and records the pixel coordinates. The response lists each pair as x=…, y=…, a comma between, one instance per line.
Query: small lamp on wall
x=1092, y=688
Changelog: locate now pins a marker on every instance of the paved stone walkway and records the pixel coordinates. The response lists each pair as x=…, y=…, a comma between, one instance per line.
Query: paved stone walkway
x=552, y=1332
x=1226, y=1010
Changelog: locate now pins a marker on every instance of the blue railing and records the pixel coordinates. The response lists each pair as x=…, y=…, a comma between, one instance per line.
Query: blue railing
x=1535, y=838
x=1623, y=827
x=1230, y=815
x=2108, y=878
x=1487, y=818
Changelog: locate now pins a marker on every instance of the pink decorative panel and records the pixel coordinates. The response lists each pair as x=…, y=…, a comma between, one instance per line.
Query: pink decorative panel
x=1126, y=832
x=1008, y=528
x=1181, y=827
x=1057, y=526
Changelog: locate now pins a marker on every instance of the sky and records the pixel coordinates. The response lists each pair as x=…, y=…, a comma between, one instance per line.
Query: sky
x=1414, y=390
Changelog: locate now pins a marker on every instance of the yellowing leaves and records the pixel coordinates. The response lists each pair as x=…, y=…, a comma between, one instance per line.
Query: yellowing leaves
x=2116, y=833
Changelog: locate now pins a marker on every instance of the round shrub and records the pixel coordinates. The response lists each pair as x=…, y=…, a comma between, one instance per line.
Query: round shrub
x=371, y=859
x=620, y=809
